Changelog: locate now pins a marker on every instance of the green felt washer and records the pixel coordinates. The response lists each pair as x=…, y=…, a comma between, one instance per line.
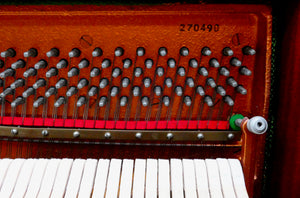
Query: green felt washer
x=232, y=121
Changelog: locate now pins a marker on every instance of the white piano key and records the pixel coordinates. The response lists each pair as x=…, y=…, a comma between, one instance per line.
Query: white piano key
x=176, y=178
x=49, y=177
x=151, y=178
x=139, y=178
x=75, y=178
x=87, y=180
x=24, y=178
x=61, y=179
x=113, y=178
x=163, y=178
x=36, y=178
x=11, y=178
x=225, y=176
x=238, y=178
x=101, y=177
x=201, y=178
x=213, y=178
x=126, y=179
x=189, y=178
x=4, y=164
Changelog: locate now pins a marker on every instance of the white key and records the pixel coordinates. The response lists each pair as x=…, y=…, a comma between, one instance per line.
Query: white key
x=238, y=178
x=24, y=178
x=87, y=180
x=113, y=178
x=61, y=179
x=126, y=179
x=11, y=178
x=4, y=164
x=163, y=178
x=75, y=178
x=189, y=178
x=225, y=176
x=101, y=177
x=139, y=178
x=151, y=178
x=176, y=178
x=36, y=178
x=49, y=177
x=201, y=178
x=213, y=178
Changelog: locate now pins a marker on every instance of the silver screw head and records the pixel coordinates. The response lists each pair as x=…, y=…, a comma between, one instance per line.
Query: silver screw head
x=45, y=132
x=138, y=135
x=107, y=135
x=14, y=131
x=170, y=136
x=200, y=136
x=76, y=134
x=230, y=136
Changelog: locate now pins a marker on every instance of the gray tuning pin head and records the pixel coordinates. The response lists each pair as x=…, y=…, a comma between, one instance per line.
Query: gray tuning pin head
x=166, y=101
x=93, y=91
x=116, y=72
x=136, y=91
x=160, y=71
x=245, y=71
x=18, y=101
x=103, y=83
x=214, y=63
x=162, y=51
x=171, y=62
x=224, y=71
x=220, y=90
x=18, y=83
x=138, y=72
x=208, y=101
x=72, y=90
x=145, y=101
x=148, y=63
x=181, y=71
x=83, y=64
x=203, y=71
x=28, y=92
x=6, y=73
x=200, y=90
x=81, y=101
x=94, y=72
x=82, y=83
x=206, y=51
x=51, y=91
x=54, y=52
x=140, y=51
x=230, y=81
x=73, y=72
x=211, y=82
x=190, y=82
x=41, y=100
x=193, y=63
x=123, y=101
x=125, y=82
x=41, y=64
x=74, y=53
x=61, y=100
x=248, y=51
x=30, y=53
x=147, y=82
x=235, y=62
x=114, y=91
x=184, y=51
x=178, y=91
x=97, y=52
x=187, y=100
x=19, y=64
x=39, y=83
x=62, y=64
x=157, y=90
x=168, y=82
x=228, y=100
x=30, y=72
x=127, y=63
x=102, y=101
x=61, y=83
x=119, y=51
x=105, y=63
x=240, y=89
x=51, y=72
x=8, y=53
x=227, y=51
x=6, y=92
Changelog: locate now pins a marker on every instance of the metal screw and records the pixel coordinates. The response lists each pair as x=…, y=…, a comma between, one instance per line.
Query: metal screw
x=107, y=135
x=170, y=136
x=230, y=136
x=138, y=135
x=76, y=134
x=45, y=132
x=14, y=131
x=200, y=136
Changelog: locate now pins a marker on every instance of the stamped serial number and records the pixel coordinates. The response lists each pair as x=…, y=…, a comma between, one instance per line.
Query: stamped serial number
x=199, y=27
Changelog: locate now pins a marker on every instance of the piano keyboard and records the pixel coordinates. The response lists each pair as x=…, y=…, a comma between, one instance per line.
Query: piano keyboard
x=149, y=178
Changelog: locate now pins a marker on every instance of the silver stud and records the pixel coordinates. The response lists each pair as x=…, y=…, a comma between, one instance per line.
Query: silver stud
x=160, y=71
x=230, y=136
x=45, y=132
x=107, y=135
x=83, y=64
x=97, y=52
x=72, y=90
x=41, y=64
x=74, y=53
x=30, y=91
x=138, y=135
x=18, y=101
x=6, y=73
x=102, y=101
x=8, y=53
x=166, y=101
x=206, y=51
x=61, y=83
x=190, y=82
x=211, y=82
x=61, y=100
x=127, y=63
x=224, y=71
x=119, y=51
x=227, y=51
x=14, y=131
x=62, y=64
x=41, y=100
x=162, y=51
x=123, y=101
x=103, y=83
x=73, y=72
x=19, y=64
x=114, y=91
x=214, y=63
x=208, y=101
x=125, y=82
x=93, y=91
x=248, y=51
x=235, y=62
x=193, y=63
x=76, y=134
x=181, y=71
x=94, y=72
x=200, y=136
x=105, y=63
x=171, y=62
x=178, y=91
x=230, y=81
x=203, y=71
x=138, y=72
x=51, y=72
x=200, y=90
x=54, y=52
x=30, y=72
x=240, y=89
x=30, y=53
x=187, y=100
x=220, y=90
x=51, y=91
x=157, y=90
x=18, y=83
x=145, y=101
x=39, y=83
x=184, y=51
x=148, y=63
x=82, y=83
x=170, y=136
x=6, y=92
x=228, y=100
x=136, y=91
x=116, y=72
x=168, y=82
x=81, y=101
x=147, y=82
x=140, y=51
x=245, y=71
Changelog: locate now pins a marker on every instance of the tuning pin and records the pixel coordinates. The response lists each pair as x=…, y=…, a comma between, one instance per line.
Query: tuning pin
x=227, y=51
x=181, y=71
x=18, y=83
x=240, y=89
x=157, y=90
x=82, y=83
x=6, y=73
x=208, y=101
x=18, y=101
x=72, y=90
x=6, y=92
x=148, y=63
x=211, y=82
x=206, y=51
x=51, y=72
x=147, y=82
x=103, y=83
x=166, y=101
x=54, y=52
x=214, y=63
x=41, y=64
x=193, y=63
x=97, y=52
x=119, y=51
x=1, y=63
x=19, y=64
x=228, y=100
x=190, y=82
x=61, y=100
x=187, y=100
x=138, y=72
x=145, y=101
x=62, y=64
x=162, y=51
x=220, y=90
x=127, y=63
x=224, y=71
x=235, y=62
x=93, y=91
x=83, y=63
x=160, y=71
x=123, y=101
x=203, y=71
x=200, y=90
x=245, y=71
x=61, y=83
x=8, y=53
x=30, y=72
x=171, y=62
x=114, y=91
x=30, y=53
x=168, y=82
x=230, y=81
x=248, y=51
x=125, y=82
x=140, y=51
x=105, y=63
x=74, y=53
x=41, y=100
x=39, y=83
x=51, y=91
x=178, y=91
x=94, y=72
x=116, y=72
x=136, y=91
x=184, y=51
x=73, y=72
x=102, y=101
x=28, y=92
x=81, y=101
